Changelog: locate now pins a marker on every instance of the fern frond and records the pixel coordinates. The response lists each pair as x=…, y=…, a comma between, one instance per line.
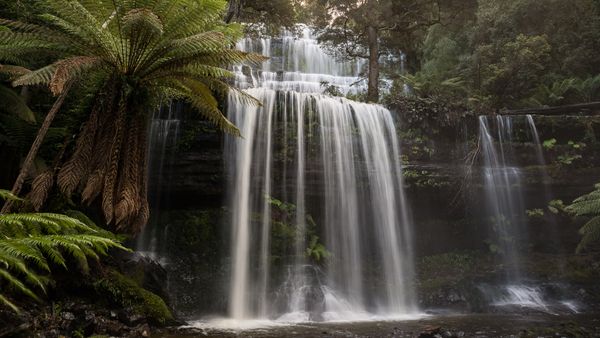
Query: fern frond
x=9, y=196
x=141, y=19
x=588, y=205
x=591, y=234
x=69, y=69
x=30, y=242
x=14, y=103
x=11, y=305
x=39, y=76
x=200, y=96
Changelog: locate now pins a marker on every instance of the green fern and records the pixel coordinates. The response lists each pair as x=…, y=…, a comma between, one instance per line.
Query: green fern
x=552, y=95
x=31, y=244
x=588, y=206
x=589, y=89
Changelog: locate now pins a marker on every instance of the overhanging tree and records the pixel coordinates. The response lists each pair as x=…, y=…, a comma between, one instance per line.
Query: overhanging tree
x=135, y=54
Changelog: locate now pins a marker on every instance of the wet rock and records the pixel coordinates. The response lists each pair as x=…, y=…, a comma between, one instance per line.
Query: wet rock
x=143, y=330
x=68, y=316
x=247, y=71
x=431, y=332
x=130, y=318
x=447, y=334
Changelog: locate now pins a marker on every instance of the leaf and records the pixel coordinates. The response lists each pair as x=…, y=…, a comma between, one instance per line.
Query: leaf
x=549, y=144
x=8, y=196
x=14, y=103
x=29, y=242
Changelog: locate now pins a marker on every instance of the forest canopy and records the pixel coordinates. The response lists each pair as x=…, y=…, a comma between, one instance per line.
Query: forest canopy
x=508, y=54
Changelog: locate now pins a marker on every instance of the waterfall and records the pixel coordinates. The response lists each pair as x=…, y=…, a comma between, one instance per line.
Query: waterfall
x=505, y=208
x=163, y=135
x=333, y=166
x=504, y=192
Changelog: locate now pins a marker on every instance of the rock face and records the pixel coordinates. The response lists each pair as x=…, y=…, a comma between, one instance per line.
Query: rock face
x=444, y=188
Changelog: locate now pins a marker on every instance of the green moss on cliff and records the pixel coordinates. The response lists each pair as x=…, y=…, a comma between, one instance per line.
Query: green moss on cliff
x=125, y=292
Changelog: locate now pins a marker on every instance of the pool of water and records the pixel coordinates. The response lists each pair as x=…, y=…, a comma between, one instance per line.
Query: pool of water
x=473, y=325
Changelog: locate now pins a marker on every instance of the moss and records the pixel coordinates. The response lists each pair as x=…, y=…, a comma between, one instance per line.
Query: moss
x=125, y=292
x=445, y=270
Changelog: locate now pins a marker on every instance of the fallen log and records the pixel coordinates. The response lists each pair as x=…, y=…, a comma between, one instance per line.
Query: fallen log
x=592, y=108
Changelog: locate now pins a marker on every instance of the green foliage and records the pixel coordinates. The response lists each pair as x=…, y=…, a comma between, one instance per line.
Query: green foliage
x=316, y=251
x=504, y=238
x=124, y=292
x=8, y=196
x=32, y=244
x=514, y=53
x=549, y=144
x=14, y=104
x=572, y=153
x=588, y=206
x=331, y=90
x=535, y=213
x=588, y=89
x=510, y=71
x=447, y=270
x=424, y=178
x=425, y=86
x=265, y=16
x=286, y=231
x=556, y=206
x=553, y=95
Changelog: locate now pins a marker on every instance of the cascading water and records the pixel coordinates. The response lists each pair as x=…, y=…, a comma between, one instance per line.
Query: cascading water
x=163, y=135
x=505, y=203
x=504, y=192
x=299, y=142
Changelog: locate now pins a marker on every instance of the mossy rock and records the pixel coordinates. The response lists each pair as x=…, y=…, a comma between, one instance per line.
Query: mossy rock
x=125, y=292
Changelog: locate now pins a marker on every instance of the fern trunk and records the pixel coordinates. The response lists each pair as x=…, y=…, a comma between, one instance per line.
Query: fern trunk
x=35, y=147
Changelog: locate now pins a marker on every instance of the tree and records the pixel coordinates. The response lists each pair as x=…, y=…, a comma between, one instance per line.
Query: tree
x=511, y=71
x=570, y=33
x=371, y=28
x=134, y=55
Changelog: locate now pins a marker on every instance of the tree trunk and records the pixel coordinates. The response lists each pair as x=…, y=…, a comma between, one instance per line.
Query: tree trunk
x=373, y=90
x=233, y=11
x=35, y=147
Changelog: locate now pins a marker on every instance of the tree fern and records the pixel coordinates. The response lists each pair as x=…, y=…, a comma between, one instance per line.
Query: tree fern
x=145, y=52
x=588, y=206
x=32, y=244
x=589, y=89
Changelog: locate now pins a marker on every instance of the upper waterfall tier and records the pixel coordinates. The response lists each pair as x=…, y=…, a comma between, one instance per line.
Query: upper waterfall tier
x=298, y=63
